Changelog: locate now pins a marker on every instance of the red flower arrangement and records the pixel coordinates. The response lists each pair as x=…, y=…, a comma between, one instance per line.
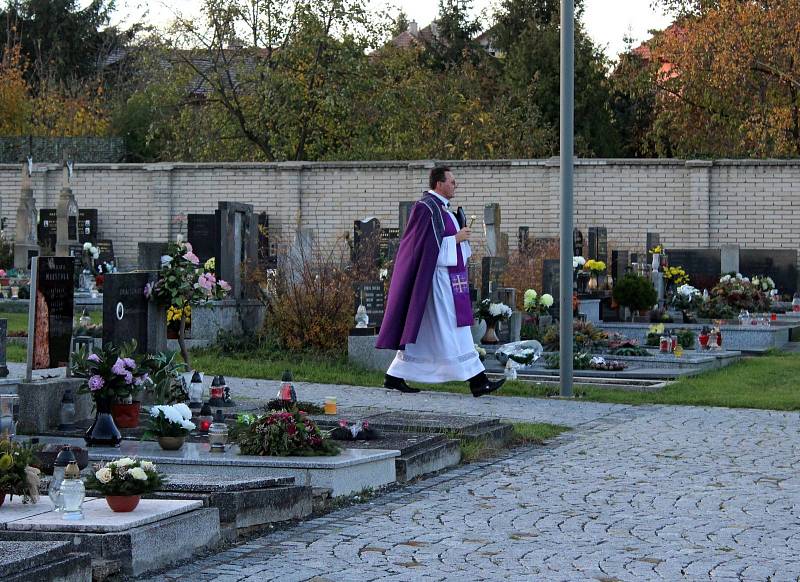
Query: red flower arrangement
x=289, y=433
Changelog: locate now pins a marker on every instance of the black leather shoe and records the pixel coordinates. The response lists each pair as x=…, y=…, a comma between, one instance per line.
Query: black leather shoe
x=481, y=385
x=398, y=384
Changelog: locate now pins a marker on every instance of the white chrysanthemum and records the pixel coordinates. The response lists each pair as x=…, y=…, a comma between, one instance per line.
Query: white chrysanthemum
x=529, y=299
x=155, y=410
x=546, y=300
x=104, y=475
x=171, y=414
x=148, y=465
x=499, y=310
x=187, y=425
x=725, y=279
x=770, y=282
x=183, y=410
x=138, y=473
x=124, y=462
x=578, y=262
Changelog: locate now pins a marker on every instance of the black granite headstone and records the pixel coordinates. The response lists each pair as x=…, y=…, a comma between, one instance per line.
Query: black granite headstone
x=619, y=264
x=598, y=244
x=389, y=242
x=550, y=278
x=125, y=308
x=149, y=255
x=267, y=258
x=779, y=264
x=46, y=229
x=577, y=243
x=87, y=225
x=492, y=269
x=371, y=294
x=366, y=239
x=203, y=234
x=524, y=239
x=53, y=312
x=76, y=252
x=106, y=248
x=405, y=212
x=702, y=265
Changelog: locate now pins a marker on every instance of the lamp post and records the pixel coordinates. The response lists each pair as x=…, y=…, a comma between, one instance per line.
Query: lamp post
x=566, y=168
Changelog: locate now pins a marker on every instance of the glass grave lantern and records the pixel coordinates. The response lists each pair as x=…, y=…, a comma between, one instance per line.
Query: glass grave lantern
x=218, y=433
x=72, y=493
x=196, y=391
x=63, y=459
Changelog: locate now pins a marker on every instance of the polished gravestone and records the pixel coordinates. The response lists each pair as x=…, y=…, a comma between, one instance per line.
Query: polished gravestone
x=126, y=308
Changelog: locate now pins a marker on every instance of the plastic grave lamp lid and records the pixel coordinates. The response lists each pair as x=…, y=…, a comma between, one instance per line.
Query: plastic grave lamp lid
x=287, y=376
x=196, y=378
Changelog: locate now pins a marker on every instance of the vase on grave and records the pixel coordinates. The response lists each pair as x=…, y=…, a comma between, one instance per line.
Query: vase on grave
x=126, y=415
x=592, y=285
x=103, y=431
x=123, y=503
x=490, y=337
x=170, y=443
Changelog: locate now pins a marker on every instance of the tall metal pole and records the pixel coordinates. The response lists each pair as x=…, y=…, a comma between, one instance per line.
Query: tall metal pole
x=566, y=167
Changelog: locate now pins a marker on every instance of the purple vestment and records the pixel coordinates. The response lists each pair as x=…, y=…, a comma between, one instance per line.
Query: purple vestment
x=413, y=273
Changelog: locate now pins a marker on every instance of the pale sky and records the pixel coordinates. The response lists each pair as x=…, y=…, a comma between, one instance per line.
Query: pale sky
x=607, y=21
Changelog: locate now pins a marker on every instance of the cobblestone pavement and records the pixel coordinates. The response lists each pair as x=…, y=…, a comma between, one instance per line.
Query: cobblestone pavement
x=642, y=493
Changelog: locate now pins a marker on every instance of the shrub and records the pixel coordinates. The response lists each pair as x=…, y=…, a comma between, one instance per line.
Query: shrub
x=585, y=337
x=635, y=292
x=17, y=475
x=310, y=301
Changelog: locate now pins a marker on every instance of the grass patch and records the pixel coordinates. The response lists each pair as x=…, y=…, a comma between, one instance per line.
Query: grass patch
x=18, y=321
x=16, y=353
x=769, y=382
x=536, y=433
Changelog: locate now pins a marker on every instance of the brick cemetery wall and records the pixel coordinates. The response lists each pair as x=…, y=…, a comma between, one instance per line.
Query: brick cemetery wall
x=755, y=204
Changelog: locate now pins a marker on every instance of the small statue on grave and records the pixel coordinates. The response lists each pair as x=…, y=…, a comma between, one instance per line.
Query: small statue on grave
x=362, y=319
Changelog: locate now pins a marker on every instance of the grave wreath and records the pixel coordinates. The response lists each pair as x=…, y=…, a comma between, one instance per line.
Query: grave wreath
x=184, y=283
x=282, y=434
x=17, y=476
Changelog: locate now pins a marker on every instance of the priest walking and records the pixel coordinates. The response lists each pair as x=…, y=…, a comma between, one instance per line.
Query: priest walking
x=429, y=312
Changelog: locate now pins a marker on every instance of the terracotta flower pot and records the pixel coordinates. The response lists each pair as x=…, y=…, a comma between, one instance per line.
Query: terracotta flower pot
x=123, y=503
x=126, y=415
x=169, y=443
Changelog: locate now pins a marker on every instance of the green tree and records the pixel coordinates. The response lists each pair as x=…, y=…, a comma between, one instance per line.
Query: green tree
x=279, y=77
x=528, y=33
x=453, y=40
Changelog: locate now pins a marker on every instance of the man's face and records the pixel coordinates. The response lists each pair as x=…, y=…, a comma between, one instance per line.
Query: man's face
x=448, y=187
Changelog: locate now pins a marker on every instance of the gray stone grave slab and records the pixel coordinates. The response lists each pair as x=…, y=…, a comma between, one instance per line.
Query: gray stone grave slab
x=243, y=503
x=38, y=561
x=398, y=421
x=653, y=240
x=66, y=214
x=491, y=225
x=157, y=534
x=25, y=232
x=524, y=239
x=98, y=517
x=40, y=403
x=729, y=259
x=238, y=246
x=186, y=483
x=620, y=262
x=348, y=472
x=420, y=453
x=14, y=509
x=550, y=278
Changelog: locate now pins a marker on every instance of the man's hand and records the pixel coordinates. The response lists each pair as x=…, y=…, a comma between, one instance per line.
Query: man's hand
x=463, y=234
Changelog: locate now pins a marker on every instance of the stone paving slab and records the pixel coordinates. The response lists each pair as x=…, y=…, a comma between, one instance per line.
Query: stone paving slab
x=647, y=493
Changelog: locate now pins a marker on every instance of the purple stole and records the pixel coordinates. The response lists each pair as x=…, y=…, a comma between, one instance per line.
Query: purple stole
x=459, y=282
